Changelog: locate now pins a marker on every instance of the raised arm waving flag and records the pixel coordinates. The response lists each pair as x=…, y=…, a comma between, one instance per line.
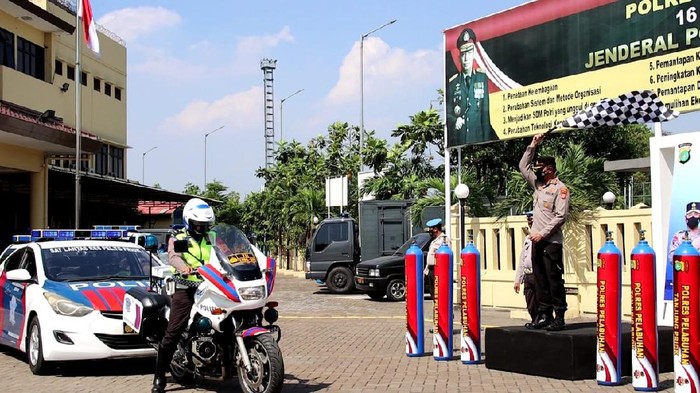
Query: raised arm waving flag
x=89, y=28
x=629, y=108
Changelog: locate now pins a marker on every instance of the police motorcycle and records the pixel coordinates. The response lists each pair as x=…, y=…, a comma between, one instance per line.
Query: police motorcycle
x=226, y=329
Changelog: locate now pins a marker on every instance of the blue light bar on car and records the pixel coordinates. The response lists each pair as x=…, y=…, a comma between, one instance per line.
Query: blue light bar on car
x=21, y=238
x=118, y=227
x=71, y=234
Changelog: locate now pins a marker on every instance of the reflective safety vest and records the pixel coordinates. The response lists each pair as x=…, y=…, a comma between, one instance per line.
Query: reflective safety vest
x=197, y=253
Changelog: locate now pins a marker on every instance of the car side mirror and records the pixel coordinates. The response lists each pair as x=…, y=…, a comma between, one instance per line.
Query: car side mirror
x=21, y=275
x=181, y=245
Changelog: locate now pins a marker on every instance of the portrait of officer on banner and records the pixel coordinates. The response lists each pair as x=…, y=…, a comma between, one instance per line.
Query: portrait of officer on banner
x=467, y=97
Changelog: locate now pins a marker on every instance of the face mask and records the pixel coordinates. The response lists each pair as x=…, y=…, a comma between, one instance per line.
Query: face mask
x=692, y=222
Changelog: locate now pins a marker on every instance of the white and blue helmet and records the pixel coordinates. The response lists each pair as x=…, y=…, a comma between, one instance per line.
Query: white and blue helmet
x=198, y=216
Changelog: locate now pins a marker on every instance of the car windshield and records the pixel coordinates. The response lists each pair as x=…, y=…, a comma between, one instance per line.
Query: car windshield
x=95, y=262
x=420, y=239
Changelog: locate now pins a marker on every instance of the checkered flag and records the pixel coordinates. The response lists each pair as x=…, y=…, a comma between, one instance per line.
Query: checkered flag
x=629, y=108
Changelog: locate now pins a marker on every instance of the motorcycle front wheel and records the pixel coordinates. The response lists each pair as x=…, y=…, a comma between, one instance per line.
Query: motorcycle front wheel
x=267, y=366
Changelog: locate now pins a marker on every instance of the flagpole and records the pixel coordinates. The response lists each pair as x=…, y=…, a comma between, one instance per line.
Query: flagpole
x=78, y=84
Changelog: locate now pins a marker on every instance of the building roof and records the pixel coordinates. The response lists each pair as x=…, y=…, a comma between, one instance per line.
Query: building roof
x=631, y=165
x=157, y=208
x=112, y=190
x=50, y=134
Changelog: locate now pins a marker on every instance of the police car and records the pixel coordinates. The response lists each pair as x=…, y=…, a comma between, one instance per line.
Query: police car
x=61, y=296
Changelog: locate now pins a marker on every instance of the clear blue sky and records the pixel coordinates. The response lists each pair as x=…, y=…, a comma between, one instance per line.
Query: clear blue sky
x=194, y=66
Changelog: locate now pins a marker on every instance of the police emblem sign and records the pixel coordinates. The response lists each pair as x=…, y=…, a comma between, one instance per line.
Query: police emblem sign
x=684, y=152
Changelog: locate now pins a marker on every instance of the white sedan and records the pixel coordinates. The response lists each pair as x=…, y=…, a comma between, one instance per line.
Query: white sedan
x=62, y=300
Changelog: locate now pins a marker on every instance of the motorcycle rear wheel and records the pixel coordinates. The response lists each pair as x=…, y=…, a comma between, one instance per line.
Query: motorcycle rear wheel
x=267, y=374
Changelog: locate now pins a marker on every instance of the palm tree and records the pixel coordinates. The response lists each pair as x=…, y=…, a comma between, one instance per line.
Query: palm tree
x=582, y=174
x=481, y=195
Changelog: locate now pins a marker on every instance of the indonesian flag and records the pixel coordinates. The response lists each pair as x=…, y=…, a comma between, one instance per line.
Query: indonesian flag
x=85, y=12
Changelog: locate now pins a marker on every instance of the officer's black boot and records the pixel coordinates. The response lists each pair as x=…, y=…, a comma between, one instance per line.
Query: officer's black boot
x=542, y=321
x=163, y=358
x=558, y=323
x=532, y=322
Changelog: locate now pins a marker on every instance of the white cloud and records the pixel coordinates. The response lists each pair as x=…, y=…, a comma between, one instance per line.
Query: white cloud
x=240, y=110
x=176, y=70
x=132, y=23
x=254, y=45
x=387, y=71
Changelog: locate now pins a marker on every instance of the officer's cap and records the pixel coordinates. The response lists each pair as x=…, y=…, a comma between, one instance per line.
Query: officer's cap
x=529, y=214
x=466, y=39
x=435, y=222
x=545, y=160
x=692, y=207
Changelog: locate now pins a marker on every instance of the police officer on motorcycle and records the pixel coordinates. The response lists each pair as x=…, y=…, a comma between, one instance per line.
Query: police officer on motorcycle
x=198, y=218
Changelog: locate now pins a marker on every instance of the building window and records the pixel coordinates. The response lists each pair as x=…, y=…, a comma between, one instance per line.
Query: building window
x=116, y=158
x=118, y=93
x=108, y=89
x=97, y=84
x=7, y=48
x=59, y=67
x=83, y=78
x=30, y=58
x=70, y=72
x=101, y=160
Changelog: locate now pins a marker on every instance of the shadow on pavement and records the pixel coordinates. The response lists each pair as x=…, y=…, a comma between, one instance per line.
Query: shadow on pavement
x=294, y=384
x=291, y=384
x=115, y=367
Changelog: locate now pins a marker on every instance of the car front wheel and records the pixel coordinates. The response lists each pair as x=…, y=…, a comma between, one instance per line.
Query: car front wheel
x=396, y=290
x=35, y=349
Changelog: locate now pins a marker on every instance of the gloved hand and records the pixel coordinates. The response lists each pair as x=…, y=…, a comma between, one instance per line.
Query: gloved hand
x=426, y=271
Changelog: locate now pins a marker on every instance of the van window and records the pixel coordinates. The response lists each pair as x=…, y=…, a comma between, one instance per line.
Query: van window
x=329, y=233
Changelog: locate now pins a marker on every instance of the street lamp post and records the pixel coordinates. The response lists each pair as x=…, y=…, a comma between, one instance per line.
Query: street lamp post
x=362, y=92
x=143, y=164
x=362, y=112
x=282, y=107
x=205, y=154
x=462, y=192
x=609, y=199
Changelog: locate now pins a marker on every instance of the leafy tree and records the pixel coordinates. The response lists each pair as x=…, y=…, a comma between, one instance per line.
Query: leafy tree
x=583, y=175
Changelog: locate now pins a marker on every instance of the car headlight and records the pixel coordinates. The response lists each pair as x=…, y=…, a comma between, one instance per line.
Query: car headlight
x=252, y=293
x=374, y=272
x=63, y=306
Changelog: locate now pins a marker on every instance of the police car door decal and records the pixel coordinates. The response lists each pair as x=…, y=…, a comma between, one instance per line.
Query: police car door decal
x=13, y=311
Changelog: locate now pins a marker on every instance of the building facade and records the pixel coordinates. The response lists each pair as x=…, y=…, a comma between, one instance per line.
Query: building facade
x=38, y=83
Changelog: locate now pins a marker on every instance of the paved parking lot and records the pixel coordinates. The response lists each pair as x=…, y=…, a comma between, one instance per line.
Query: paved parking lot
x=330, y=343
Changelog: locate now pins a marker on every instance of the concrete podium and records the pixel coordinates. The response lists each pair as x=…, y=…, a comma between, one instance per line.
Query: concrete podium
x=568, y=354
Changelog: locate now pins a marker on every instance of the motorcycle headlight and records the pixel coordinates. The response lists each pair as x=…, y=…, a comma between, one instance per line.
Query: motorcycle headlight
x=252, y=293
x=374, y=272
x=63, y=306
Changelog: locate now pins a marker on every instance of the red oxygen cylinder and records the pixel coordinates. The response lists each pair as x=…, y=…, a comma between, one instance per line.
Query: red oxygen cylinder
x=609, y=335
x=470, y=285
x=442, y=313
x=414, y=301
x=645, y=336
x=686, y=317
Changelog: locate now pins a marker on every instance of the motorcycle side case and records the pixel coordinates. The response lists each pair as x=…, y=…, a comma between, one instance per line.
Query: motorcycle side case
x=144, y=312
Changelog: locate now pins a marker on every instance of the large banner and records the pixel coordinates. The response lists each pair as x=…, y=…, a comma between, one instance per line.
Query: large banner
x=519, y=72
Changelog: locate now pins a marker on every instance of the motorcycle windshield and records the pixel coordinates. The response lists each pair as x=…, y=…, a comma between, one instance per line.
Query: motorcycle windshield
x=231, y=245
